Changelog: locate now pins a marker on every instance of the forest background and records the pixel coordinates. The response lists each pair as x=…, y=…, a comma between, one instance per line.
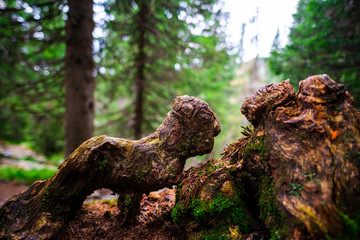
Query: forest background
x=61, y=84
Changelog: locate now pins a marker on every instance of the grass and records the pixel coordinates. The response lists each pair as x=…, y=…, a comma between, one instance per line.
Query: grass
x=26, y=176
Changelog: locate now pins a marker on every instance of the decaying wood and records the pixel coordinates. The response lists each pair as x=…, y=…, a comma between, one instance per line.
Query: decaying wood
x=314, y=144
x=129, y=168
x=294, y=176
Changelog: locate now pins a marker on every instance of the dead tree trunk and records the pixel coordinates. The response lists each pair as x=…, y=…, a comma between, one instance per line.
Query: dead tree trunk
x=129, y=168
x=295, y=174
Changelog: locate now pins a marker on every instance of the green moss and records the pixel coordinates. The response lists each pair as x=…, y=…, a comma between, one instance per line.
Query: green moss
x=178, y=212
x=211, y=166
x=257, y=146
x=173, y=171
x=140, y=175
x=102, y=164
x=269, y=211
x=221, y=211
x=102, y=161
x=218, y=232
x=127, y=202
x=351, y=227
x=45, y=200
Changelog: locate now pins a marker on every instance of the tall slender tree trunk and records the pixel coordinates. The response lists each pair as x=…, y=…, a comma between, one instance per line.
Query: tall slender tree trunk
x=79, y=81
x=140, y=72
x=255, y=78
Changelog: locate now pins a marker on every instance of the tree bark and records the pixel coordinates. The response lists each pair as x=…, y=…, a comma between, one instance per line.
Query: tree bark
x=295, y=174
x=79, y=80
x=140, y=70
x=129, y=168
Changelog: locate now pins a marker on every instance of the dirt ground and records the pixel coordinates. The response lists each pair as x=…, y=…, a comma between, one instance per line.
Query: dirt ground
x=98, y=220
x=9, y=189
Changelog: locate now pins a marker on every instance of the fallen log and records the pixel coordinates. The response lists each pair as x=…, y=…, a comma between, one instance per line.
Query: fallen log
x=295, y=174
x=129, y=168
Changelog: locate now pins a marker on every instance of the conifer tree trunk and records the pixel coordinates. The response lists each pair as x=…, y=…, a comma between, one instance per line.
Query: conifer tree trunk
x=79, y=81
x=140, y=72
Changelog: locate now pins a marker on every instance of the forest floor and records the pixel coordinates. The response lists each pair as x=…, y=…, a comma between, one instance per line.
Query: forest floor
x=98, y=220
x=9, y=189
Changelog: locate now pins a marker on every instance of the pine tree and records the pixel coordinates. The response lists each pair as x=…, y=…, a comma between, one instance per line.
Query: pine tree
x=79, y=80
x=325, y=38
x=31, y=88
x=151, y=49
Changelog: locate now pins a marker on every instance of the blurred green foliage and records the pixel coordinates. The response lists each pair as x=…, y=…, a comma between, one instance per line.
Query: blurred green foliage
x=325, y=38
x=185, y=53
x=31, y=89
x=25, y=176
x=185, y=49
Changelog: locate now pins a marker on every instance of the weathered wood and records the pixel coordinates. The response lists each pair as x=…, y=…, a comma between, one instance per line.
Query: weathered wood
x=314, y=149
x=294, y=176
x=129, y=168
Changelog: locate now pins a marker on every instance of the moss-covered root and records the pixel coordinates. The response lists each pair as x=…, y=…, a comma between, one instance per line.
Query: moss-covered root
x=129, y=205
x=294, y=176
x=129, y=168
x=313, y=139
x=211, y=205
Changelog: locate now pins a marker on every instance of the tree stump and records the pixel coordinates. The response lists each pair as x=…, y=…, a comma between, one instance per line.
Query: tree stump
x=129, y=168
x=295, y=174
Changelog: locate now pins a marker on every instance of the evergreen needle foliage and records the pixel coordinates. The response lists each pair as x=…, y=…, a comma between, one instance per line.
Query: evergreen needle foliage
x=325, y=38
x=148, y=52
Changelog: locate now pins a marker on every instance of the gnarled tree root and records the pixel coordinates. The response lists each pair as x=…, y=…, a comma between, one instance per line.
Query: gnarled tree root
x=129, y=168
x=296, y=174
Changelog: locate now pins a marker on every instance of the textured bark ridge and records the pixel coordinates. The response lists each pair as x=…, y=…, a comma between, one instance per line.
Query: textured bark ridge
x=129, y=168
x=295, y=174
x=314, y=156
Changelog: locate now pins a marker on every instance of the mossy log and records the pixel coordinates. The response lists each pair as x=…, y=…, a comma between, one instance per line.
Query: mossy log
x=295, y=174
x=129, y=168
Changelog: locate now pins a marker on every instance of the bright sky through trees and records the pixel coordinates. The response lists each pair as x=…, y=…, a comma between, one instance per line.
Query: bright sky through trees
x=272, y=15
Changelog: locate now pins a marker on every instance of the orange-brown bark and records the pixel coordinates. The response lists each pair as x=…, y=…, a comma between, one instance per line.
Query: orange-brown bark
x=296, y=174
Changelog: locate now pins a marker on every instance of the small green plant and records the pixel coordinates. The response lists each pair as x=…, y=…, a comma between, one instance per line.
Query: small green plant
x=296, y=189
x=103, y=164
x=140, y=175
x=127, y=202
x=310, y=176
x=103, y=161
x=247, y=131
